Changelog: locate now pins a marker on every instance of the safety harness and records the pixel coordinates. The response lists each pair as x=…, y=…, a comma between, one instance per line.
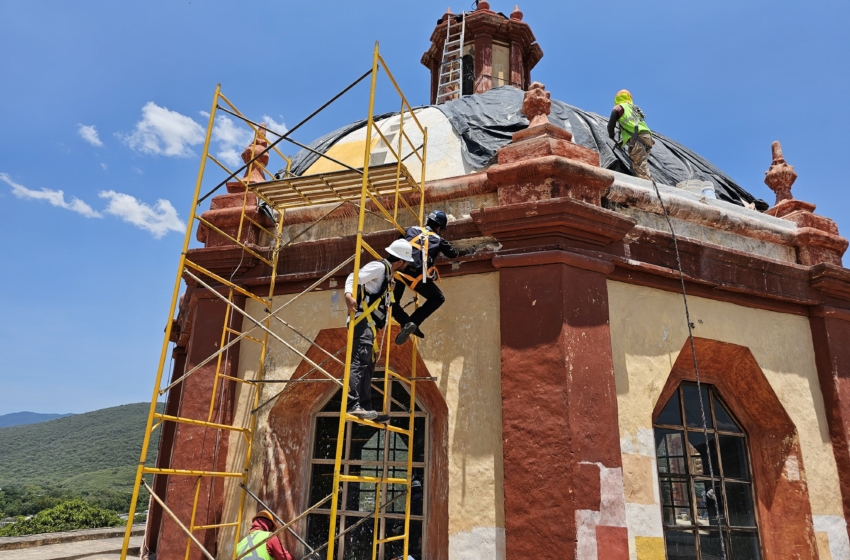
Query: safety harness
x=420, y=243
x=635, y=118
x=377, y=304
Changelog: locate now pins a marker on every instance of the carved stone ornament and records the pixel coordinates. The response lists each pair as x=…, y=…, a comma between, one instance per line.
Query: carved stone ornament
x=536, y=105
x=780, y=176
x=254, y=173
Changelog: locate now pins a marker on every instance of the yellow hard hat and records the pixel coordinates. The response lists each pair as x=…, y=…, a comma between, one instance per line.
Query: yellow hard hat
x=623, y=96
x=266, y=515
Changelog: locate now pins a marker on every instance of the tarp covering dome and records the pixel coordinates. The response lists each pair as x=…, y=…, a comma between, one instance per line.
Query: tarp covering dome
x=485, y=122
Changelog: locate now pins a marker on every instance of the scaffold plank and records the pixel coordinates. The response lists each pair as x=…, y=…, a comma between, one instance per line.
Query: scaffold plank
x=309, y=190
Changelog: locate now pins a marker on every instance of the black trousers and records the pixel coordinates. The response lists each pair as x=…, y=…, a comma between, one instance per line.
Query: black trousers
x=434, y=298
x=362, y=366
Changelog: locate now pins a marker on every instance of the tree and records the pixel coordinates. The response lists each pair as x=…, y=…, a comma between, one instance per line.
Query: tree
x=67, y=516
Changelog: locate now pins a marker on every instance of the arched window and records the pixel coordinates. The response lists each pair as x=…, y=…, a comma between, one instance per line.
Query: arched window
x=370, y=452
x=696, y=513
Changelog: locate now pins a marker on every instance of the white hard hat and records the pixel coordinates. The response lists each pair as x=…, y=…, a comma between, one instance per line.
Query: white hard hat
x=401, y=249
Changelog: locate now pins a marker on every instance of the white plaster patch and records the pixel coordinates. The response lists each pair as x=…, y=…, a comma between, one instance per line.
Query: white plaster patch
x=644, y=520
x=613, y=506
x=586, y=522
x=642, y=444
x=612, y=512
x=480, y=542
x=792, y=468
x=836, y=527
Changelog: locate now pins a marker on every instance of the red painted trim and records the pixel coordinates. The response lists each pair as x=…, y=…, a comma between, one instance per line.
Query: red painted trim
x=552, y=257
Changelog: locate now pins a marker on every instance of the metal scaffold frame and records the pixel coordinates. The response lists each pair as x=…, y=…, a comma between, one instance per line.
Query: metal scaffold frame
x=383, y=188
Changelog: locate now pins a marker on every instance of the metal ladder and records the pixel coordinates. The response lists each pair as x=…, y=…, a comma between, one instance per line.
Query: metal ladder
x=450, y=84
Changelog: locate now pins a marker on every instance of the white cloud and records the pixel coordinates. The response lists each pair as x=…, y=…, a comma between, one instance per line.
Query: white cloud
x=164, y=132
x=89, y=134
x=104, y=166
x=56, y=198
x=279, y=127
x=231, y=139
x=158, y=220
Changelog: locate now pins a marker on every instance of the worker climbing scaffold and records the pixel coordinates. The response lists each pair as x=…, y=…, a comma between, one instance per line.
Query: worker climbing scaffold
x=388, y=192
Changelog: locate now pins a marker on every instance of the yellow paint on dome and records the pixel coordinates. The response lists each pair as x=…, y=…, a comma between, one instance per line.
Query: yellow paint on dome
x=350, y=153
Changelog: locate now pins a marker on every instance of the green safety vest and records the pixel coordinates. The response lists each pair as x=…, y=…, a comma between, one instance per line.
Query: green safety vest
x=628, y=120
x=259, y=553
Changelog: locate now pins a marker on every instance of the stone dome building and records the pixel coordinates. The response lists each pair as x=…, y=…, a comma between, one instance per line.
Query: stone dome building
x=564, y=420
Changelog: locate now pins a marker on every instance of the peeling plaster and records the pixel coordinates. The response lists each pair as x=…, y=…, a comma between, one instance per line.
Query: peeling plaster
x=836, y=527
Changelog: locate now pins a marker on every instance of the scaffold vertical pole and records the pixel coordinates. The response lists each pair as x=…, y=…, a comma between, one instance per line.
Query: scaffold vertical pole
x=361, y=219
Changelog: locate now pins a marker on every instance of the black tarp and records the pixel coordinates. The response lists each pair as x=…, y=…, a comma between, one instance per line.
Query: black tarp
x=486, y=122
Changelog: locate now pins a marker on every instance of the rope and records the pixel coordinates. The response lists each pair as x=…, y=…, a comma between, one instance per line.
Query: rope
x=694, y=355
x=690, y=341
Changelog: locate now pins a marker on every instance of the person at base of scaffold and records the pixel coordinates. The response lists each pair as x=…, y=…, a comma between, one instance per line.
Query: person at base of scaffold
x=421, y=275
x=262, y=526
x=374, y=298
x=635, y=135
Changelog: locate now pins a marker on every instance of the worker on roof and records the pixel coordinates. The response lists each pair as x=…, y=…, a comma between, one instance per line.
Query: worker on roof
x=421, y=275
x=631, y=119
x=369, y=311
x=262, y=527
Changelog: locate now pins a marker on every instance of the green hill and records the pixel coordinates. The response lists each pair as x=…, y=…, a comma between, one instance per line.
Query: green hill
x=92, y=455
x=21, y=418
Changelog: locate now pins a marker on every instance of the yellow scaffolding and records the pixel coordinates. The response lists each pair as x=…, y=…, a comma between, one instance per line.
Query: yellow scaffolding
x=384, y=187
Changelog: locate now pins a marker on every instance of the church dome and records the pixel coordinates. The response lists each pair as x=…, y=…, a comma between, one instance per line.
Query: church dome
x=465, y=134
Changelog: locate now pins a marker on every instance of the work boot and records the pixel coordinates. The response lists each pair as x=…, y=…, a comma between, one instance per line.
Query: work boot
x=418, y=333
x=382, y=418
x=360, y=412
x=405, y=332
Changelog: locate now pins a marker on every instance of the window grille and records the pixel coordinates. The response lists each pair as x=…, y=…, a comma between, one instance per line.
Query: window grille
x=696, y=516
x=370, y=452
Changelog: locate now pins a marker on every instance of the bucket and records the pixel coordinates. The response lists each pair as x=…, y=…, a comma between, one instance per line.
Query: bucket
x=708, y=190
x=691, y=185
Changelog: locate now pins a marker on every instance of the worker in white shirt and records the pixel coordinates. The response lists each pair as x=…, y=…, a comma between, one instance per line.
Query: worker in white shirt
x=369, y=311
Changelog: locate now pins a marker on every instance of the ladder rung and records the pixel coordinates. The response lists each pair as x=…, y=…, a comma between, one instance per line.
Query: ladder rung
x=452, y=42
x=372, y=479
x=391, y=539
x=184, y=472
x=194, y=422
x=387, y=427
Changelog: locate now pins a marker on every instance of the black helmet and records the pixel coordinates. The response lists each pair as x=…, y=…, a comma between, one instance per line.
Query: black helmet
x=438, y=218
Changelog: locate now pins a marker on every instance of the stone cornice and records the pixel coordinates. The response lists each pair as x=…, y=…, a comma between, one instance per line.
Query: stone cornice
x=563, y=221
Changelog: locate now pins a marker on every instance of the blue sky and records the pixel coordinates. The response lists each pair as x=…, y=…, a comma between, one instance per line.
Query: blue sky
x=103, y=101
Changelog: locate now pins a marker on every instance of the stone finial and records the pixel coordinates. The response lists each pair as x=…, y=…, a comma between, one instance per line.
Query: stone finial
x=536, y=105
x=780, y=176
x=446, y=15
x=254, y=173
x=516, y=14
x=483, y=5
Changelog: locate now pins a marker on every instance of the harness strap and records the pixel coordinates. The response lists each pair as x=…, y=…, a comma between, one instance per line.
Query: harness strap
x=412, y=281
x=387, y=298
